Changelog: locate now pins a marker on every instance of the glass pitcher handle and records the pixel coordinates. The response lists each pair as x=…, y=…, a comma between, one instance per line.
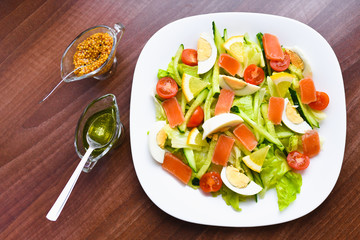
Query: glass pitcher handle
x=119, y=30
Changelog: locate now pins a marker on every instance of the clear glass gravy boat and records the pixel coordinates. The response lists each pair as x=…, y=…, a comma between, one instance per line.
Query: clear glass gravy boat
x=106, y=69
x=67, y=68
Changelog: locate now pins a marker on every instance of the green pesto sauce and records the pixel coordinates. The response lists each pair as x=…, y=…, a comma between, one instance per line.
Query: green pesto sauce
x=101, y=128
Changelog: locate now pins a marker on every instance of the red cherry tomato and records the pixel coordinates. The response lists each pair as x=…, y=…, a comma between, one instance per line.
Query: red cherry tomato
x=322, y=101
x=211, y=182
x=280, y=66
x=166, y=87
x=196, y=118
x=189, y=57
x=297, y=160
x=254, y=75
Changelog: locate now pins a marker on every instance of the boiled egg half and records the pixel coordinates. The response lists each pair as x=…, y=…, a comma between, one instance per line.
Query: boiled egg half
x=239, y=86
x=157, y=138
x=206, y=53
x=306, y=71
x=292, y=119
x=239, y=182
x=220, y=123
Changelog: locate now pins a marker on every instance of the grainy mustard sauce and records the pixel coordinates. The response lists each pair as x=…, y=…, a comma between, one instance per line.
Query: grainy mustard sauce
x=94, y=51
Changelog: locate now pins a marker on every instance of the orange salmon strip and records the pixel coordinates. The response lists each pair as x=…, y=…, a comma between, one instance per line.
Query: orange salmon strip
x=222, y=150
x=272, y=47
x=311, y=143
x=307, y=90
x=173, y=112
x=245, y=136
x=276, y=108
x=224, y=102
x=230, y=64
x=176, y=167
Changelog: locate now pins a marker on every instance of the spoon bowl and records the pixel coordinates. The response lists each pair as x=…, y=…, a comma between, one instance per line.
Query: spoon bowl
x=101, y=105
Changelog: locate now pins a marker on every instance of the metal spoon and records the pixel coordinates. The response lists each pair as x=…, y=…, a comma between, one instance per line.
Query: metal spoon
x=56, y=209
x=68, y=76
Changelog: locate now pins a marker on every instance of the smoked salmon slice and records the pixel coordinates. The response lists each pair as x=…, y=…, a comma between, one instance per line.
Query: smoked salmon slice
x=176, y=167
x=272, y=47
x=245, y=136
x=276, y=109
x=224, y=102
x=307, y=90
x=230, y=64
x=311, y=143
x=173, y=112
x=222, y=150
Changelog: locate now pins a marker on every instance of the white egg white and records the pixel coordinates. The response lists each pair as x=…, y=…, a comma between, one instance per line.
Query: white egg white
x=299, y=128
x=156, y=152
x=220, y=122
x=251, y=189
x=206, y=65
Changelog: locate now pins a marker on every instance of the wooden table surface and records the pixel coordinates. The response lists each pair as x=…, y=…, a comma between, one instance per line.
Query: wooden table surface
x=37, y=154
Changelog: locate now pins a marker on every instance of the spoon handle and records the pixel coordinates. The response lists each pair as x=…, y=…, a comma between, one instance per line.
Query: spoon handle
x=56, y=209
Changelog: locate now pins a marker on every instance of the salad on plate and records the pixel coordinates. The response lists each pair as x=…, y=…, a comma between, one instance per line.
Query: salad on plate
x=238, y=116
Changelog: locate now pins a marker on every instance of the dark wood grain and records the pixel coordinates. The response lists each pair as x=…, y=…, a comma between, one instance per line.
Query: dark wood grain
x=37, y=155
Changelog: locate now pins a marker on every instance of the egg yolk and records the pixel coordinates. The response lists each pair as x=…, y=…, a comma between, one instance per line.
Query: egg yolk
x=292, y=114
x=204, y=49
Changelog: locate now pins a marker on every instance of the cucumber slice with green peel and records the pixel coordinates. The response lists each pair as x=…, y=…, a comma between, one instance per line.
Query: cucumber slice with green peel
x=207, y=162
x=215, y=79
x=219, y=41
x=303, y=111
x=189, y=154
x=177, y=57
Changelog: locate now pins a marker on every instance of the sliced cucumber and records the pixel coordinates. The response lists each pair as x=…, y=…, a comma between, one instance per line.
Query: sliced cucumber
x=198, y=100
x=225, y=36
x=215, y=80
x=302, y=109
x=267, y=68
x=207, y=162
x=176, y=63
x=261, y=130
x=219, y=41
x=189, y=154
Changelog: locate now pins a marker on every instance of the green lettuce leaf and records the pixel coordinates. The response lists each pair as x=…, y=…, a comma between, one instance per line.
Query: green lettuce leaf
x=159, y=111
x=287, y=188
x=294, y=143
x=178, y=139
x=252, y=53
x=273, y=169
x=200, y=157
x=245, y=104
x=231, y=198
x=162, y=73
x=190, y=70
x=170, y=68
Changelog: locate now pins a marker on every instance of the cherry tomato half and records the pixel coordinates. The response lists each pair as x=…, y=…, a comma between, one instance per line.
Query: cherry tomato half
x=189, y=57
x=211, y=182
x=196, y=118
x=166, y=87
x=280, y=66
x=254, y=75
x=297, y=160
x=322, y=101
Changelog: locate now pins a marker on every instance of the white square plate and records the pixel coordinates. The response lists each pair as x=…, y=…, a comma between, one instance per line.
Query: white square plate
x=193, y=206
